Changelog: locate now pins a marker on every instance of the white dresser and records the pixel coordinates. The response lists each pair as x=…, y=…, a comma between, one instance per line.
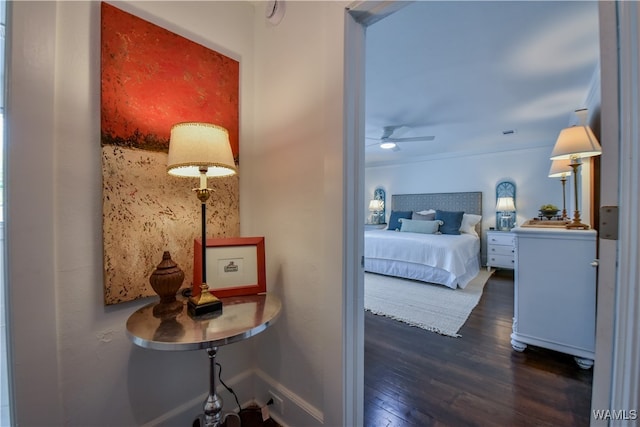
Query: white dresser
x=555, y=291
x=500, y=249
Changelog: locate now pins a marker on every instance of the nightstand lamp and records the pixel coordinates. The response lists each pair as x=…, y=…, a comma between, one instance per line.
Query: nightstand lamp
x=561, y=169
x=506, y=206
x=574, y=144
x=376, y=206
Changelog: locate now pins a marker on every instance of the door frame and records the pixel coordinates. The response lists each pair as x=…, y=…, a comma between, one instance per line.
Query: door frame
x=617, y=369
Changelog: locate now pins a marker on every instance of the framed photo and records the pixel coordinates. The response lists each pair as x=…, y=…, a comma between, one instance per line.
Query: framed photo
x=235, y=266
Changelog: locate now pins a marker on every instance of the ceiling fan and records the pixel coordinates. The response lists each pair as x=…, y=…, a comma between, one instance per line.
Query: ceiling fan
x=389, y=142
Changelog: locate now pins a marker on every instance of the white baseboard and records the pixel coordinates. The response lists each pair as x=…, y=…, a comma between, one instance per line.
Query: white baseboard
x=254, y=386
x=185, y=413
x=296, y=411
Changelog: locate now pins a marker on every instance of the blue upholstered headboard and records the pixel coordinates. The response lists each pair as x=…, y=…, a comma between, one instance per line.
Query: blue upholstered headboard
x=469, y=202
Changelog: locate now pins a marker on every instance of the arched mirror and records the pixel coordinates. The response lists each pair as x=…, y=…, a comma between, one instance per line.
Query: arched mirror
x=505, y=206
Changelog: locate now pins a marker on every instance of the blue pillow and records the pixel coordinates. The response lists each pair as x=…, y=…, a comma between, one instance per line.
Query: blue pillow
x=451, y=220
x=394, y=224
x=420, y=226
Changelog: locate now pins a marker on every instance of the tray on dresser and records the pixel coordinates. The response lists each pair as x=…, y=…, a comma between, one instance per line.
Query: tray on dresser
x=545, y=223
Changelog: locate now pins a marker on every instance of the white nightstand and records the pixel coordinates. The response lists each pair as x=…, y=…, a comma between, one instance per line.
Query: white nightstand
x=500, y=249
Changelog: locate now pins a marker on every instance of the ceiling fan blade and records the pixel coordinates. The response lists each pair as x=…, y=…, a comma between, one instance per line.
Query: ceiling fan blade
x=415, y=138
x=371, y=144
x=387, y=131
x=387, y=137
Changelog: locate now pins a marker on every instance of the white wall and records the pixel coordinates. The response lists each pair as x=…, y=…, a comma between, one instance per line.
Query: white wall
x=297, y=203
x=72, y=363
x=477, y=172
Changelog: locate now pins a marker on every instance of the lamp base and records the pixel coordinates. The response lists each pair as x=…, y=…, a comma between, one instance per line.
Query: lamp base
x=205, y=303
x=505, y=223
x=577, y=226
x=196, y=310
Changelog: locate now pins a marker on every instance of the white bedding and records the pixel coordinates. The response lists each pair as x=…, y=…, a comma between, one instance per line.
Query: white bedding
x=450, y=260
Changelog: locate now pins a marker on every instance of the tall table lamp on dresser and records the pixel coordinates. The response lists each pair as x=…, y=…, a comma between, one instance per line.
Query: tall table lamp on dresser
x=561, y=169
x=576, y=143
x=201, y=150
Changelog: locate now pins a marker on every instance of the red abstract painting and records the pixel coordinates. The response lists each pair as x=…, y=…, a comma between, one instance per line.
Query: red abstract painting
x=153, y=78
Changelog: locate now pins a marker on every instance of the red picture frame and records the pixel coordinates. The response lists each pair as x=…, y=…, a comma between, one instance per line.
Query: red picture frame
x=235, y=266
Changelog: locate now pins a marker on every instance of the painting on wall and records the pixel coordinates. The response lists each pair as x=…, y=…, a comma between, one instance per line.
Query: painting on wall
x=152, y=79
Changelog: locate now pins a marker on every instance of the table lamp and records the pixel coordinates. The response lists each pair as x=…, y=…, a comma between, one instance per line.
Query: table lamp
x=575, y=143
x=375, y=206
x=506, y=206
x=561, y=169
x=201, y=150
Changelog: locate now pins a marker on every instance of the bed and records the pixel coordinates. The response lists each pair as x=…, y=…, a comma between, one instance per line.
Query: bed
x=446, y=259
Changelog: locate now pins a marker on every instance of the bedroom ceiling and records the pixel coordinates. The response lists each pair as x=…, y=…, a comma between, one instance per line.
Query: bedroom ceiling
x=465, y=72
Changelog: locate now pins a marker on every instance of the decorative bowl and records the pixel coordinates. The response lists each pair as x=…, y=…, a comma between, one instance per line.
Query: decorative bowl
x=549, y=213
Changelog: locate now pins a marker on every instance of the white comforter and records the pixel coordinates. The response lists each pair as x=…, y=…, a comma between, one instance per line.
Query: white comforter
x=452, y=253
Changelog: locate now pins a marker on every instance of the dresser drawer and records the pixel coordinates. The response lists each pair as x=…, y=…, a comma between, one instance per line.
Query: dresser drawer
x=501, y=261
x=501, y=239
x=501, y=250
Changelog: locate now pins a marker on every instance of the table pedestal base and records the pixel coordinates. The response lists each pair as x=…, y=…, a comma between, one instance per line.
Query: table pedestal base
x=212, y=414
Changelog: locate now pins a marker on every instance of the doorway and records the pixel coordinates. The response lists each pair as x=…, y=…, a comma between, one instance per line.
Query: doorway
x=366, y=14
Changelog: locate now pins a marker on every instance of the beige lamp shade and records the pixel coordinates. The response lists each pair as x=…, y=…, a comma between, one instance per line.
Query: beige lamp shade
x=505, y=204
x=198, y=145
x=560, y=168
x=375, y=205
x=576, y=142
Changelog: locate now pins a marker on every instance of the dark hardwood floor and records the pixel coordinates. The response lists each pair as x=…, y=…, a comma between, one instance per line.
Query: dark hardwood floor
x=418, y=378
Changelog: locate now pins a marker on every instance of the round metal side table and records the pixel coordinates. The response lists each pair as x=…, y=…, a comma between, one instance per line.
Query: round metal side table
x=242, y=317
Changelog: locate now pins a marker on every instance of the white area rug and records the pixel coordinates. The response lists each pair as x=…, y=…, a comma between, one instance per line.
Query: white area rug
x=435, y=308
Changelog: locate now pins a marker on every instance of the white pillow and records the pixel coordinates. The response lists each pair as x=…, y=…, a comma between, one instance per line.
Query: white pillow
x=420, y=226
x=469, y=222
x=428, y=211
